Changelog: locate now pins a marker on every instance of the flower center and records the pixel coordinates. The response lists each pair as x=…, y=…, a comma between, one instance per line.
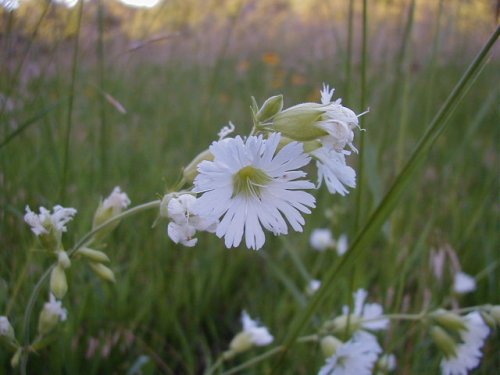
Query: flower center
x=249, y=181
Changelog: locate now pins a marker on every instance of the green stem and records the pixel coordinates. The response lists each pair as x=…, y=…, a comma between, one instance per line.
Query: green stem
x=86, y=238
x=82, y=242
x=361, y=167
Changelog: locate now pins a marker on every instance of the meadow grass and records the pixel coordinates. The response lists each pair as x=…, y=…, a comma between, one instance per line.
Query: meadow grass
x=174, y=310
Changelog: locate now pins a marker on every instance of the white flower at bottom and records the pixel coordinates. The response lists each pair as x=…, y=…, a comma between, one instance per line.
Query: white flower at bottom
x=355, y=357
x=252, y=335
x=463, y=283
x=250, y=185
x=45, y=222
x=321, y=239
x=468, y=353
x=332, y=168
x=184, y=222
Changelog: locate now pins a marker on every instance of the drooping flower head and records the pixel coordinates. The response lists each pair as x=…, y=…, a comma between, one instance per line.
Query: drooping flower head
x=250, y=185
x=185, y=223
x=356, y=356
x=333, y=170
x=467, y=354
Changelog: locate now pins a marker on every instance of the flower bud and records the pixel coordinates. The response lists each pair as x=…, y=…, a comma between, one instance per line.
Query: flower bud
x=448, y=320
x=103, y=272
x=14, y=362
x=191, y=171
x=444, y=342
x=488, y=319
x=270, y=108
x=93, y=255
x=110, y=207
x=63, y=259
x=495, y=313
x=329, y=345
x=58, y=282
x=241, y=342
x=300, y=122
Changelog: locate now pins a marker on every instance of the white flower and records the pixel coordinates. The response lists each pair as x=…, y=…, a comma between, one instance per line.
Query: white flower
x=54, y=307
x=9, y=5
x=184, y=222
x=252, y=335
x=332, y=168
x=45, y=222
x=468, y=353
x=463, y=283
x=117, y=200
x=338, y=121
x=5, y=327
x=51, y=314
x=321, y=239
x=355, y=357
x=313, y=286
x=368, y=313
x=342, y=244
x=260, y=336
x=249, y=186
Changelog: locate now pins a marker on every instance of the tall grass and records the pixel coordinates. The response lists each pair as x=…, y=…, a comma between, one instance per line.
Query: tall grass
x=174, y=310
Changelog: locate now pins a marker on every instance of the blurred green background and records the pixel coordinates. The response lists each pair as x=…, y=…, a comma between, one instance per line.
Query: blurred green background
x=102, y=94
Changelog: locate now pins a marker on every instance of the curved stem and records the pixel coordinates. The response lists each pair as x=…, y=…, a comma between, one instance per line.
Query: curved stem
x=27, y=317
x=85, y=239
x=82, y=242
x=260, y=358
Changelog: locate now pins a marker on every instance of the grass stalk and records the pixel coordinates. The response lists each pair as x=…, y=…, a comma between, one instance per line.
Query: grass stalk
x=104, y=141
x=360, y=209
x=69, y=118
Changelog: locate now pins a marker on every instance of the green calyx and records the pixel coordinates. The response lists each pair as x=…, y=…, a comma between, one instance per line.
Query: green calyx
x=249, y=181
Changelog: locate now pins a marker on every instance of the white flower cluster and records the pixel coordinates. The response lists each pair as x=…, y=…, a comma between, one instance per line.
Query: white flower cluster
x=184, y=222
x=45, y=222
x=117, y=200
x=247, y=185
